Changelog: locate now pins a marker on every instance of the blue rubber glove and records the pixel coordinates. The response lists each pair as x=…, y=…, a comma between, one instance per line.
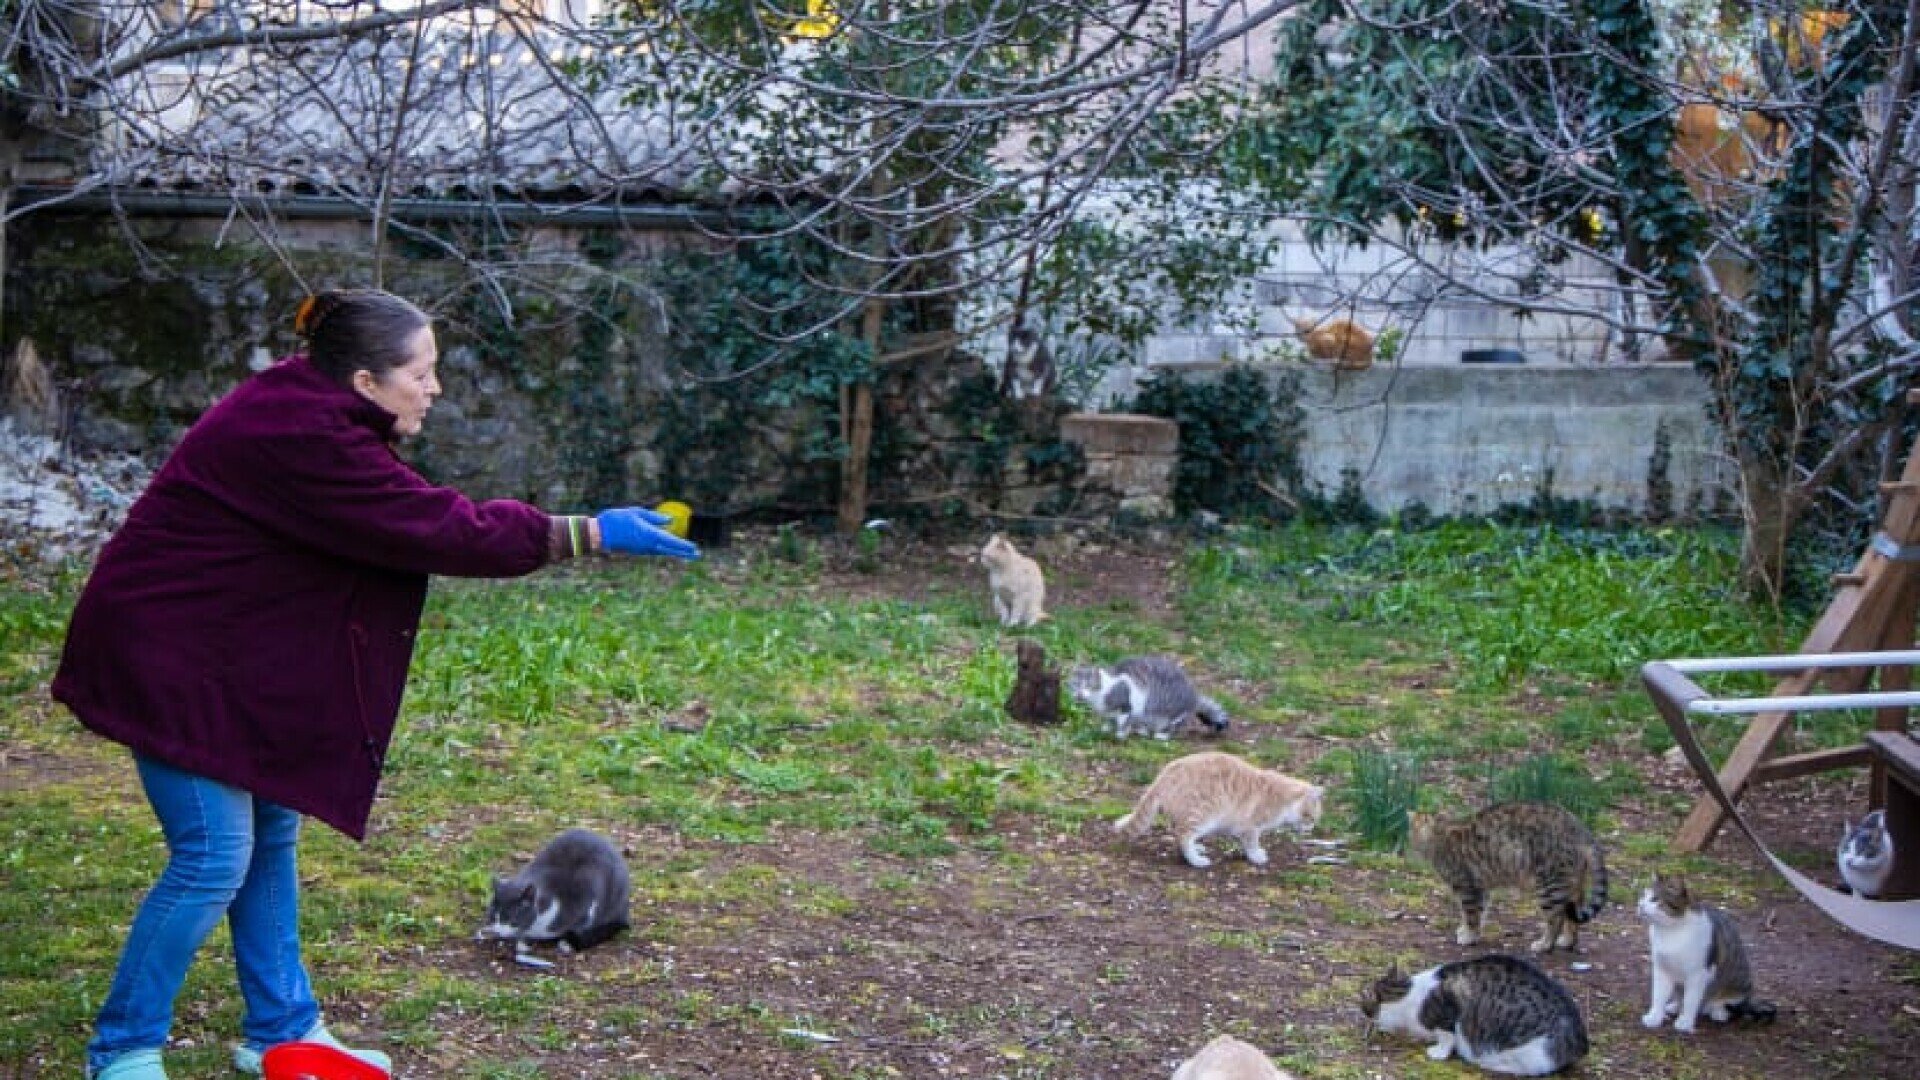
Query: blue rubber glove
x=632, y=530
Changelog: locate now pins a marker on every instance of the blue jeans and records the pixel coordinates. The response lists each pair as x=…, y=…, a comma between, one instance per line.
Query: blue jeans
x=229, y=854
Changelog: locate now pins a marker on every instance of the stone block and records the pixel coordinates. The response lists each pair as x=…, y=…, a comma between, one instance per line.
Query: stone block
x=1120, y=433
x=1147, y=506
x=1135, y=473
x=1026, y=499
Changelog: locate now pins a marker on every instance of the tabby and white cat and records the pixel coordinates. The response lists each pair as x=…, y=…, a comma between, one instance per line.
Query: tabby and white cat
x=1499, y=1012
x=1866, y=855
x=1697, y=951
x=1227, y=1058
x=1019, y=590
x=1210, y=793
x=1149, y=694
x=1516, y=844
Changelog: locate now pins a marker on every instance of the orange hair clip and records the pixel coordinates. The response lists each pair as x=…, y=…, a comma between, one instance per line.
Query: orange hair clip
x=303, y=315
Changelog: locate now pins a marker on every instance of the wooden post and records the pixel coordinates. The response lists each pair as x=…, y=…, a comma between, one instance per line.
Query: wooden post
x=1894, y=677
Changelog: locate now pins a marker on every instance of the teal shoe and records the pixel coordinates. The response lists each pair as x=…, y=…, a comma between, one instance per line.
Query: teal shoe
x=133, y=1065
x=246, y=1057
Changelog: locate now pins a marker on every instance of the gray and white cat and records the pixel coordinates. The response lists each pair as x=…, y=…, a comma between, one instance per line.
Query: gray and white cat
x=1698, y=952
x=1499, y=1012
x=1149, y=694
x=1866, y=855
x=574, y=892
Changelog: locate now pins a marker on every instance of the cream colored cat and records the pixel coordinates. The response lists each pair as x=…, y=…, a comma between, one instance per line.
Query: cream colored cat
x=1206, y=794
x=1227, y=1058
x=1019, y=590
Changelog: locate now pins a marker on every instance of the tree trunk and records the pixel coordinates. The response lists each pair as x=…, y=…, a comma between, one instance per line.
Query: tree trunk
x=1770, y=507
x=858, y=425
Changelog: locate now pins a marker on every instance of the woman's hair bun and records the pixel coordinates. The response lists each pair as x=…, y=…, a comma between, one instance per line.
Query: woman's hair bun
x=315, y=308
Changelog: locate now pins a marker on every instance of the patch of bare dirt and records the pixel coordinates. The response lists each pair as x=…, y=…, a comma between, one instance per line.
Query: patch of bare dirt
x=1098, y=958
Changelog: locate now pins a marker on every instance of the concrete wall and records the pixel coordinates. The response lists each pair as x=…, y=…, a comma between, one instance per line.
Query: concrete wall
x=1462, y=438
x=1437, y=300
x=1469, y=438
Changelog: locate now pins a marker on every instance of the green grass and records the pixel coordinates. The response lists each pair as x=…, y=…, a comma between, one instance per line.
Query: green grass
x=1382, y=787
x=720, y=709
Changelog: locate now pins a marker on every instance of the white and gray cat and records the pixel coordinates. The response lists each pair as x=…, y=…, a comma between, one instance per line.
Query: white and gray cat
x=574, y=892
x=1697, y=952
x=1499, y=1012
x=1148, y=694
x=1866, y=855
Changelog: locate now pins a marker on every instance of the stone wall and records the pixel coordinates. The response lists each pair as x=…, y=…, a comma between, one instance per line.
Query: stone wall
x=1130, y=460
x=573, y=402
x=146, y=323
x=141, y=338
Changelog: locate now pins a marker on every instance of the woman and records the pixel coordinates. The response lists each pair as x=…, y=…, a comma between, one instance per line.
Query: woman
x=246, y=633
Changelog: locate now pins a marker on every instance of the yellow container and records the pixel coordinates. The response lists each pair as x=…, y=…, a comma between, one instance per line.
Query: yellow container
x=681, y=516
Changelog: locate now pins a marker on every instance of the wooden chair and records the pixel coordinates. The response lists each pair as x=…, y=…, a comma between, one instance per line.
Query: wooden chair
x=1889, y=919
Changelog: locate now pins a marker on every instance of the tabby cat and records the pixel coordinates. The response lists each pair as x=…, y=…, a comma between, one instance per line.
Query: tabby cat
x=1019, y=590
x=1499, y=1012
x=1206, y=794
x=1866, y=855
x=1517, y=844
x=1697, y=951
x=1227, y=1058
x=1149, y=694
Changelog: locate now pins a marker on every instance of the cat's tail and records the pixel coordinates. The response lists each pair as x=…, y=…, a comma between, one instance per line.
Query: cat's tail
x=1144, y=812
x=1753, y=1010
x=1212, y=715
x=1596, y=891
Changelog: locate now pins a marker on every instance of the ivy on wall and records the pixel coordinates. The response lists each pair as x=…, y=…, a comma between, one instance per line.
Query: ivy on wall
x=750, y=337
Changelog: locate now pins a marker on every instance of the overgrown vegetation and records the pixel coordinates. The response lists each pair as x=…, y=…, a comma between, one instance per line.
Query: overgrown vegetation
x=1239, y=438
x=744, y=349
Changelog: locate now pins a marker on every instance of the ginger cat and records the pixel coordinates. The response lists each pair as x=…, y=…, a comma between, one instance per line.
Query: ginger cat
x=1209, y=793
x=1343, y=341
